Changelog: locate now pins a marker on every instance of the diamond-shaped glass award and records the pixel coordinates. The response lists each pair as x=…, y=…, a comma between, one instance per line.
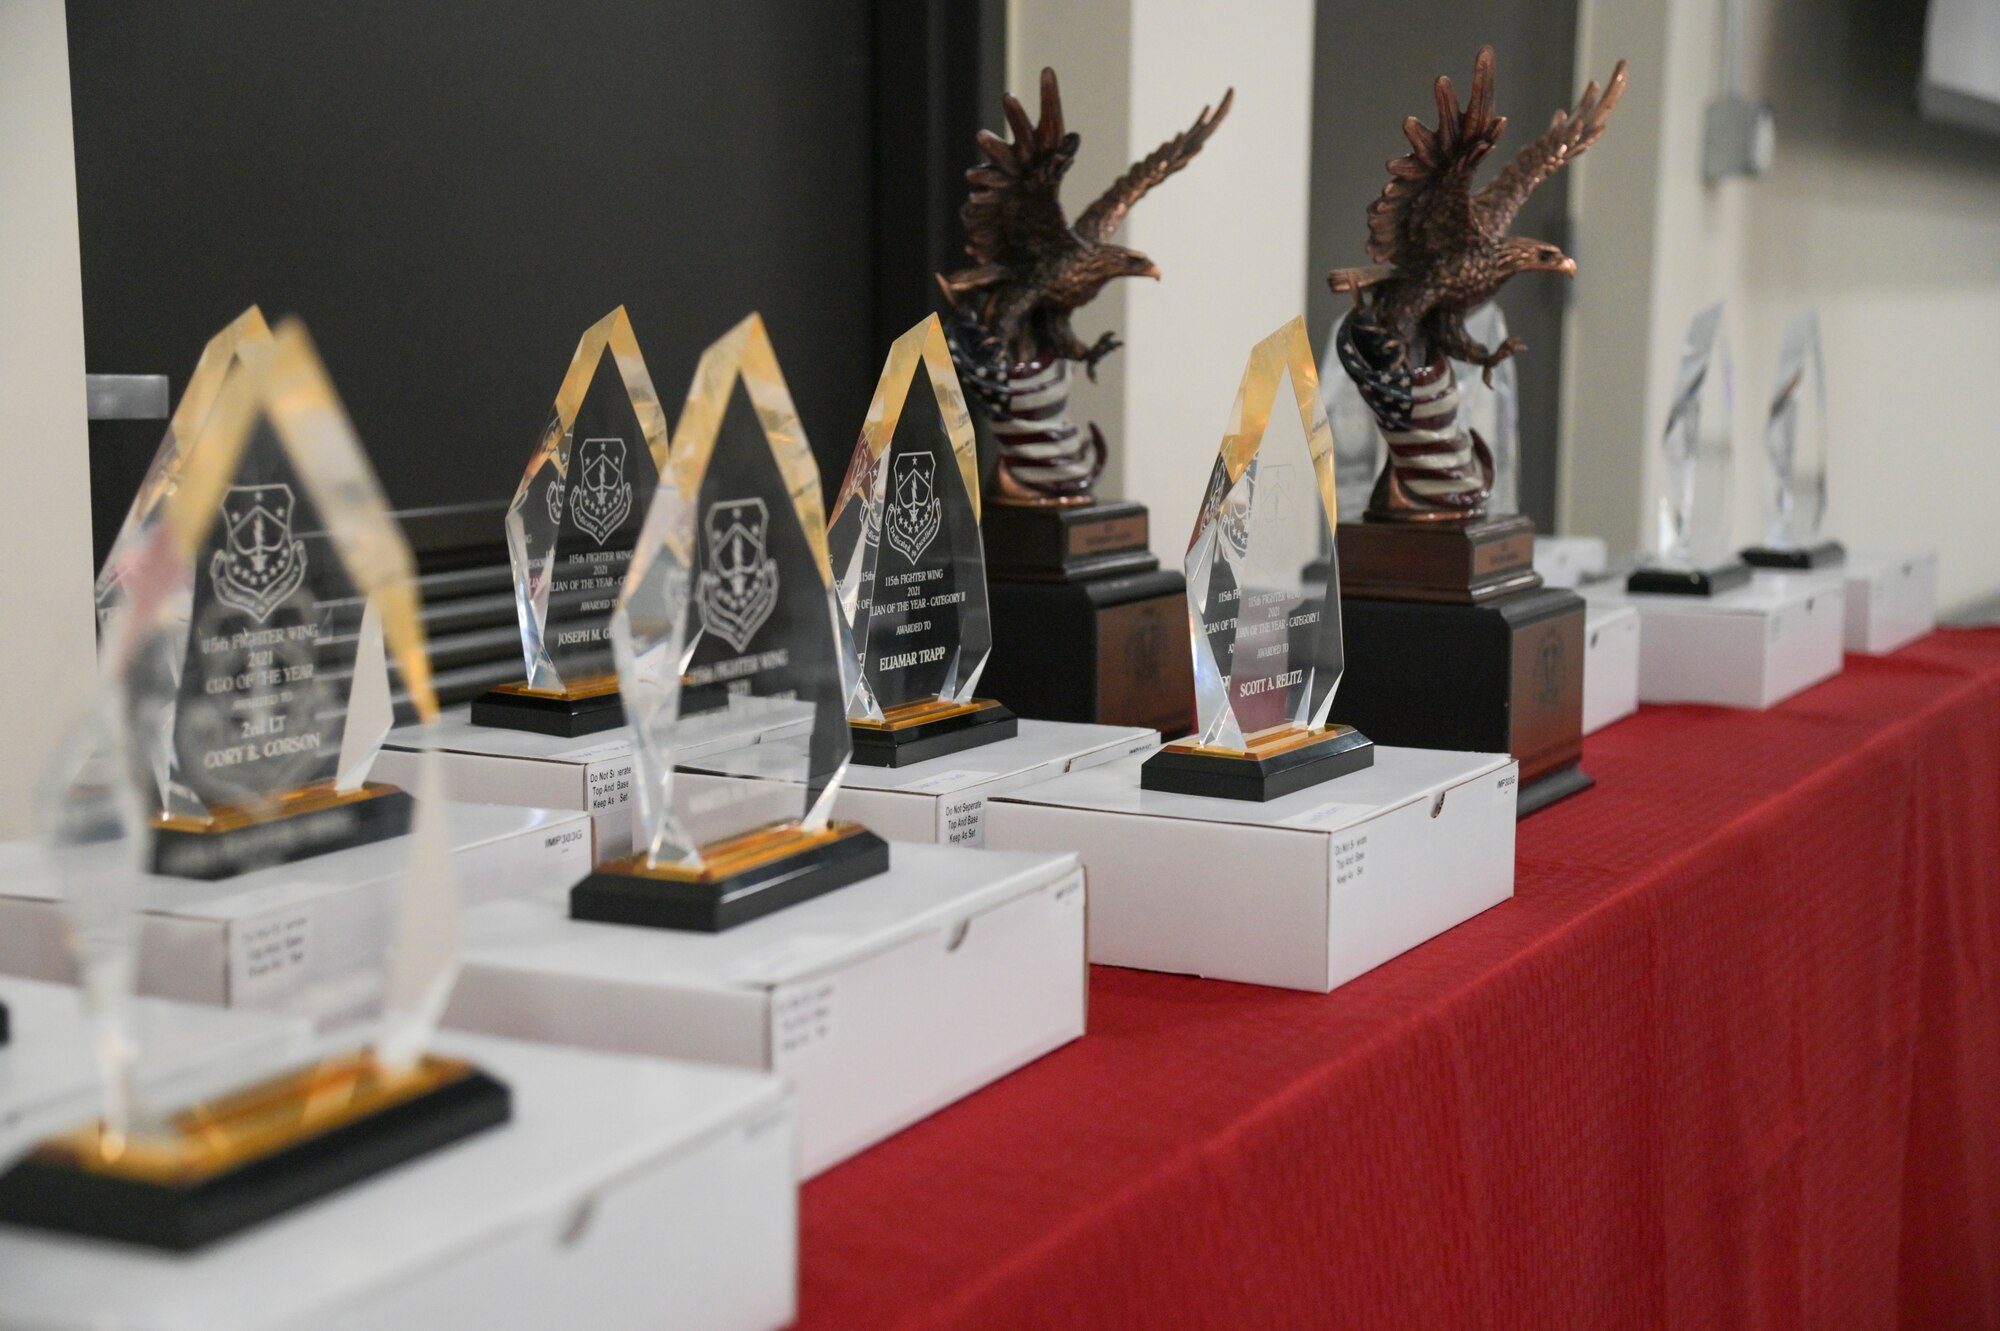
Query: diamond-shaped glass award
x=247, y=336
x=1795, y=442
x=180, y=1175
x=270, y=695
x=728, y=639
x=1692, y=554
x=570, y=533
x=1266, y=639
x=911, y=568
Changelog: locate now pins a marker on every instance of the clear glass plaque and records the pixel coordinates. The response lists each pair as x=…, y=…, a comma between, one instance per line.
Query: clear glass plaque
x=904, y=537
x=727, y=632
x=1267, y=644
x=1494, y=411
x=1693, y=527
x=576, y=516
x=247, y=336
x=1795, y=439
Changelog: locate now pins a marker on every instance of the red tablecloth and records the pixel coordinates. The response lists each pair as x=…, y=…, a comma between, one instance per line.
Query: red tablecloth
x=1730, y=1058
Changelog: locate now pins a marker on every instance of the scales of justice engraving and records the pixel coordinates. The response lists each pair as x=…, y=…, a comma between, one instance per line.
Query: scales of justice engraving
x=600, y=498
x=917, y=512
x=739, y=587
x=261, y=563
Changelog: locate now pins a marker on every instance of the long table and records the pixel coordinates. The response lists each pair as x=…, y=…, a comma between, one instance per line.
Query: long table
x=1729, y=1058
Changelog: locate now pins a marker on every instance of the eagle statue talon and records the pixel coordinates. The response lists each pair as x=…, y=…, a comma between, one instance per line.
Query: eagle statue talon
x=1492, y=359
x=1097, y=351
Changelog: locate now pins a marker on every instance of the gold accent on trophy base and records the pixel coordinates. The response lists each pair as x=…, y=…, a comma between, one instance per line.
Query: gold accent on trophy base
x=1267, y=743
x=923, y=713
x=291, y=804
x=594, y=687
x=738, y=854
x=211, y=1138
x=1273, y=762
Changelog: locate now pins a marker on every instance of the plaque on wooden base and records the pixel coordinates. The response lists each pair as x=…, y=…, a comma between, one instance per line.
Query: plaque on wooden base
x=1824, y=554
x=1505, y=676
x=1466, y=563
x=920, y=731
x=585, y=708
x=1105, y=650
x=220, y=1167
x=1059, y=544
x=743, y=879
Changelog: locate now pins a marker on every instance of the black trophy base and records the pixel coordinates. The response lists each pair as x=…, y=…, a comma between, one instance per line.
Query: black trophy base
x=1260, y=773
x=48, y=1190
x=750, y=877
x=6, y=1026
x=304, y=825
x=1502, y=677
x=931, y=730
x=514, y=707
x=1710, y=581
x=1062, y=544
x=1112, y=651
x=1827, y=554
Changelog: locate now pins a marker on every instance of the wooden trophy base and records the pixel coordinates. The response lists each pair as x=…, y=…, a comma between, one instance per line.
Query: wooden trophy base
x=591, y=706
x=1086, y=624
x=1827, y=554
x=227, y=1164
x=297, y=826
x=1275, y=763
x=1457, y=664
x=746, y=878
x=1690, y=581
x=923, y=730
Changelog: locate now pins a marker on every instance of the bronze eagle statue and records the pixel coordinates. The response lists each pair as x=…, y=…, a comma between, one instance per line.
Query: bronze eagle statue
x=1441, y=250
x=1031, y=265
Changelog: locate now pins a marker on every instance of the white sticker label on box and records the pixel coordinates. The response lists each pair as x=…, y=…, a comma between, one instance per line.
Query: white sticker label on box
x=958, y=778
x=268, y=956
x=802, y=1017
x=609, y=786
x=1325, y=815
x=1508, y=787
x=962, y=820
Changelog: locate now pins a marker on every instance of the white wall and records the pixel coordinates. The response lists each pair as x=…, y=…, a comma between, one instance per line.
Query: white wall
x=47, y=644
x=1890, y=225
x=1228, y=233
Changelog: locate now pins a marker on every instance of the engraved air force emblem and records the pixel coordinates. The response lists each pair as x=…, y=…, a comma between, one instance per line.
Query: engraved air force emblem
x=915, y=512
x=600, y=498
x=739, y=585
x=260, y=562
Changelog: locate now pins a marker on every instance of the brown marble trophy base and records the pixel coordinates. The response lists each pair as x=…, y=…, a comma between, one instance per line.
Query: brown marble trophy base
x=1086, y=624
x=1469, y=651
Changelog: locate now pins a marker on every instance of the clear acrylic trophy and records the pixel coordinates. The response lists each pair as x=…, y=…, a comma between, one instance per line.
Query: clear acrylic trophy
x=1691, y=553
x=1266, y=639
x=182, y=1176
x=1795, y=442
x=571, y=530
x=728, y=639
x=247, y=336
x=272, y=685
x=910, y=566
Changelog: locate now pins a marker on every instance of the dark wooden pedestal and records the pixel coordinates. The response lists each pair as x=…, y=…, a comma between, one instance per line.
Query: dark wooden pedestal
x=1086, y=624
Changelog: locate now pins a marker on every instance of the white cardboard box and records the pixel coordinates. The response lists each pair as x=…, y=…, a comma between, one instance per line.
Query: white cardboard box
x=880, y=1003
x=1610, y=663
x=1891, y=600
x=944, y=800
x=1569, y=561
x=592, y=774
x=1753, y=646
x=1306, y=891
x=624, y=1193
x=305, y=938
x=48, y=1075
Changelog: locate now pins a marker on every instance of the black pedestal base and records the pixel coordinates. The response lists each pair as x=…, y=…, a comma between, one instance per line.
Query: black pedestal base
x=1502, y=677
x=1257, y=777
x=544, y=715
x=1827, y=554
x=6, y=1027
x=622, y=892
x=382, y=812
x=1107, y=650
x=899, y=746
x=54, y=1193
x=1688, y=581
